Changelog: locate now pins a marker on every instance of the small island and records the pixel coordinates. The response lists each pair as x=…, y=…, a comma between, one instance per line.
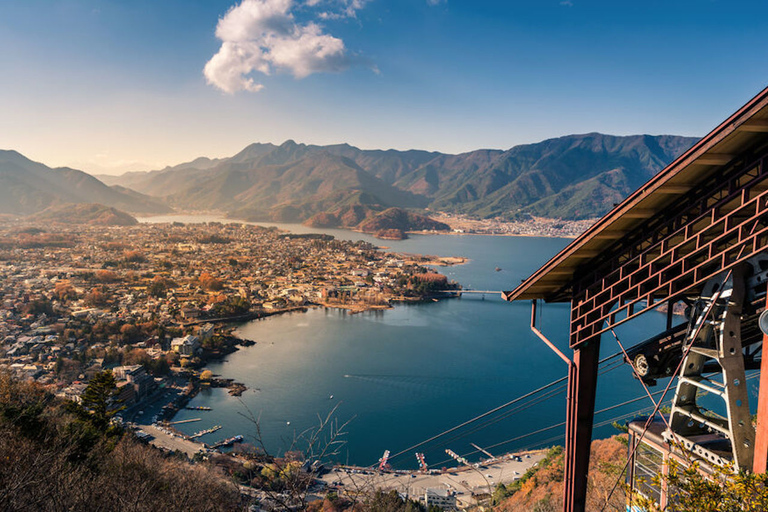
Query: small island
x=389, y=224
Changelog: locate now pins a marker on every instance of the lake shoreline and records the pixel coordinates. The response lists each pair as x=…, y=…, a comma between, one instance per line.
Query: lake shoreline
x=403, y=375
x=459, y=226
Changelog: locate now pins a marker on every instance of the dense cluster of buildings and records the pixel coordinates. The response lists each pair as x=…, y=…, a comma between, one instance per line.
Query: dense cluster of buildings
x=526, y=226
x=146, y=300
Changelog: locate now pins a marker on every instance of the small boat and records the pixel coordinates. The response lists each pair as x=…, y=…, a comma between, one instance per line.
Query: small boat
x=287, y=422
x=498, y=269
x=330, y=397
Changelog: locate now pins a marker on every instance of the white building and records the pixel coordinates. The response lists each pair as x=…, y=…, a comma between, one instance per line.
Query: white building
x=186, y=346
x=442, y=498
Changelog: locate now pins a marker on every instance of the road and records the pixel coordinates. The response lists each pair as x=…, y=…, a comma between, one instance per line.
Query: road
x=465, y=481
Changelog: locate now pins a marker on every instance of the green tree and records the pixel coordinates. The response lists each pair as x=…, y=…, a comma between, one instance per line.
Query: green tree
x=500, y=494
x=98, y=398
x=726, y=490
x=392, y=502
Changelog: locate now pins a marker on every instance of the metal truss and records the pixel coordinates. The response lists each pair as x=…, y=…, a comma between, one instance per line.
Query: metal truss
x=715, y=337
x=715, y=226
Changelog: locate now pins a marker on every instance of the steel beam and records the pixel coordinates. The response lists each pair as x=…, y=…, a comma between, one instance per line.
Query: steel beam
x=714, y=227
x=760, y=460
x=582, y=386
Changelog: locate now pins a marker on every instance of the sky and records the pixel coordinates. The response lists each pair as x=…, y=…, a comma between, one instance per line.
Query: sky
x=111, y=86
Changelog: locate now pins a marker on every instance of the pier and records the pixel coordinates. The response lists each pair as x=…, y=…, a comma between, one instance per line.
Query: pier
x=465, y=481
x=204, y=432
x=184, y=421
x=228, y=442
x=482, y=292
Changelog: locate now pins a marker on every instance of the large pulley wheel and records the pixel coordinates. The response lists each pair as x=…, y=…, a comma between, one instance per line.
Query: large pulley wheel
x=641, y=365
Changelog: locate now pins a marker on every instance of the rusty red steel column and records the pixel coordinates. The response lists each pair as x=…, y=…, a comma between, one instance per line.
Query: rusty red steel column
x=760, y=460
x=579, y=420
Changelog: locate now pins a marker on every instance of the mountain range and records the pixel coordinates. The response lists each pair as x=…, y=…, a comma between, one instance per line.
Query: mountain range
x=570, y=177
x=28, y=187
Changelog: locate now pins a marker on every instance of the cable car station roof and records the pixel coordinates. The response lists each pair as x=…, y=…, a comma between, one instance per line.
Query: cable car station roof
x=740, y=134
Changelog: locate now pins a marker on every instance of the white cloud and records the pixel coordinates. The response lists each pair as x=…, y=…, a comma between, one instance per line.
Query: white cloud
x=436, y=2
x=263, y=36
x=339, y=9
x=352, y=6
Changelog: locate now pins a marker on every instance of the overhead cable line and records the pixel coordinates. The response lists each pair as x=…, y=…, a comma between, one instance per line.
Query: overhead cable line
x=529, y=434
x=479, y=417
x=555, y=438
x=521, y=408
x=494, y=410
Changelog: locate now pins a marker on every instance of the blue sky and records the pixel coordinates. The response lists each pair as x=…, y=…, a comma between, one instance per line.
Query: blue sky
x=107, y=86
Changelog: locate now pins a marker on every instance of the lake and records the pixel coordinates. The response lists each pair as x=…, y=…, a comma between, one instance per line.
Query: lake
x=401, y=376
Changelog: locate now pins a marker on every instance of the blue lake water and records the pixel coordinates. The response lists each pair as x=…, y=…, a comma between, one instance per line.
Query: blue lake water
x=403, y=375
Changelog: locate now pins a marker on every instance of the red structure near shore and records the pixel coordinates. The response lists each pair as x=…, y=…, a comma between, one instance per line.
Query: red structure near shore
x=697, y=234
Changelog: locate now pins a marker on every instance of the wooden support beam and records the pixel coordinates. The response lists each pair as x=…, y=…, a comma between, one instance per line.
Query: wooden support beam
x=639, y=213
x=585, y=255
x=579, y=420
x=673, y=189
x=679, y=260
x=754, y=125
x=714, y=159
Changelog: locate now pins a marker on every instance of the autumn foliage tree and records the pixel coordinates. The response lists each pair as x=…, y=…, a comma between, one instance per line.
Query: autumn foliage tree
x=95, y=297
x=106, y=276
x=540, y=489
x=159, y=286
x=129, y=333
x=429, y=282
x=210, y=283
x=53, y=459
x=63, y=290
x=134, y=256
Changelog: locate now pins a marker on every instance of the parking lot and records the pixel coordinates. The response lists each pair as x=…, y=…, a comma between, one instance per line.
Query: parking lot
x=465, y=481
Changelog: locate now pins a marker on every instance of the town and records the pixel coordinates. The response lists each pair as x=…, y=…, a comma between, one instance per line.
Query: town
x=518, y=225
x=152, y=303
x=77, y=299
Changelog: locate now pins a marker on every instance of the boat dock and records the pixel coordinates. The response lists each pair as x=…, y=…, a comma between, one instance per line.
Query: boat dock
x=204, y=432
x=228, y=442
x=464, y=481
x=184, y=421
